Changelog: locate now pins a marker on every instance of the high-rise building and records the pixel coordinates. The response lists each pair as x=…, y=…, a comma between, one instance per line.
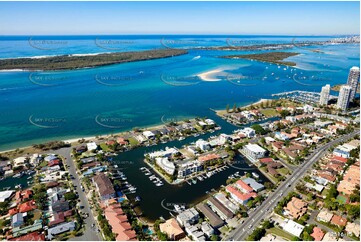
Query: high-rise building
x=353, y=80
x=325, y=94
x=344, y=97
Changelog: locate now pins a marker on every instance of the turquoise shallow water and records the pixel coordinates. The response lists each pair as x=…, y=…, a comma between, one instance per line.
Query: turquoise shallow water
x=37, y=107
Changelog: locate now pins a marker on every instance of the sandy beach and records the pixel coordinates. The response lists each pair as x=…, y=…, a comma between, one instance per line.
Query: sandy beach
x=209, y=76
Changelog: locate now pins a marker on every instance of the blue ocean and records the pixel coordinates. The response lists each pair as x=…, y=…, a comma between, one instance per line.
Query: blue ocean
x=42, y=106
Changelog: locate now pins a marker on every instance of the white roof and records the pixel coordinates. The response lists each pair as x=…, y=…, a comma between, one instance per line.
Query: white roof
x=293, y=227
x=269, y=139
x=148, y=133
x=255, y=148
x=91, y=146
x=5, y=195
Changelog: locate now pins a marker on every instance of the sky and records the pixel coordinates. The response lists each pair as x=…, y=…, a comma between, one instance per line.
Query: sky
x=269, y=18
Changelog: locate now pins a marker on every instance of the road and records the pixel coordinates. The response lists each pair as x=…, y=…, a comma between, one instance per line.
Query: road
x=90, y=234
x=255, y=217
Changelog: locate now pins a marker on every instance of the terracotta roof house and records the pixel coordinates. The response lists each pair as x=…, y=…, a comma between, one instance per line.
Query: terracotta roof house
x=276, y=146
x=350, y=180
x=296, y=208
x=241, y=185
x=172, y=229
x=208, y=157
x=123, y=230
x=289, y=153
x=317, y=234
x=27, y=206
x=54, y=162
x=34, y=236
x=266, y=160
x=338, y=220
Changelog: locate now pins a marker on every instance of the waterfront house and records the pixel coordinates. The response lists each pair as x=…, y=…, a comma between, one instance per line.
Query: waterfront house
x=92, y=146
x=213, y=218
x=20, y=161
x=80, y=149
x=189, y=216
x=226, y=202
x=188, y=168
x=104, y=186
x=119, y=223
x=172, y=229
x=254, y=152
x=219, y=208
x=165, y=165
x=253, y=184
x=149, y=134
x=203, y=145
x=205, y=159
x=6, y=195
x=238, y=196
x=248, y=132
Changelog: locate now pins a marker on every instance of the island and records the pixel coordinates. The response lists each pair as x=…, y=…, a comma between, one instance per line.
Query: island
x=338, y=87
x=70, y=62
x=271, y=57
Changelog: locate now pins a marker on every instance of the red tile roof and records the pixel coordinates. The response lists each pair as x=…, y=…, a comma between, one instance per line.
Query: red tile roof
x=338, y=220
x=34, y=236
x=266, y=160
x=338, y=158
x=240, y=195
x=244, y=186
x=27, y=206
x=208, y=157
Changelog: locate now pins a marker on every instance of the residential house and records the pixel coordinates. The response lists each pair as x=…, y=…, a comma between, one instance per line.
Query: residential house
x=172, y=229
x=104, y=186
